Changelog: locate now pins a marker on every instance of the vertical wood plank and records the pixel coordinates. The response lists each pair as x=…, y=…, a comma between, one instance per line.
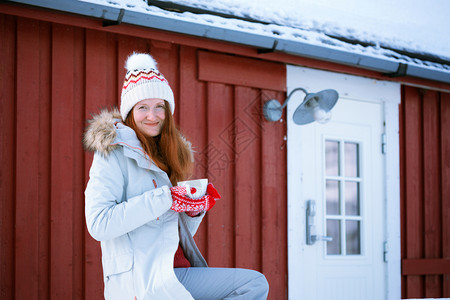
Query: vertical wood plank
x=402, y=186
x=432, y=187
x=274, y=195
x=27, y=163
x=44, y=158
x=220, y=155
x=62, y=163
x=414, y=186
x=247, y=140
x=7, y=154
x=445, y=180
x=191, y=109
x=101, y=72
x=78, y=167
x=101, y=92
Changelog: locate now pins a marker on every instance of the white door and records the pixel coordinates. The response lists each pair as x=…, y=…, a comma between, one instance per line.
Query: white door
x=336, y=194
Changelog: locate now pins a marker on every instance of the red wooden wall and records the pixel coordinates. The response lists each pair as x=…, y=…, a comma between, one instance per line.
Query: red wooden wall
x=56, y=69
x=52, y=77
x=425, y=193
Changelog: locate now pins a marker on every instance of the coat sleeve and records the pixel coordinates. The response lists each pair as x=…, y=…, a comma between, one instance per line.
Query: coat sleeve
x=192, y=223
x=108, y=213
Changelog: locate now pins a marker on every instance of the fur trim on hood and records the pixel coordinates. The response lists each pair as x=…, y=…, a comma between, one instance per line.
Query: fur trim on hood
x=101, y=132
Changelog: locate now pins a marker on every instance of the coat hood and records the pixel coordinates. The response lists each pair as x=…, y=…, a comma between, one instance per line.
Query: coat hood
x=101, y=132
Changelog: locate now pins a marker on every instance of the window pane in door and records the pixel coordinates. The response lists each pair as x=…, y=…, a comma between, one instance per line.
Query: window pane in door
x=332, y=194
x=351, y=158
x=352, y=236
x=343, y=199
x=332, y=158
x=333, y=230
x=352, y=198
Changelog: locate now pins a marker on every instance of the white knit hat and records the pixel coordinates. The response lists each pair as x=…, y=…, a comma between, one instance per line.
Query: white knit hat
x=143, y=81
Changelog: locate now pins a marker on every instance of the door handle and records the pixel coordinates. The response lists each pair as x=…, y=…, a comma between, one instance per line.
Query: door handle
x=311, y=237
x=324, y=238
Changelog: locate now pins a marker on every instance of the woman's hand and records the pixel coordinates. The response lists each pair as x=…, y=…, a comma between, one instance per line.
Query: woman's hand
x=182, y=203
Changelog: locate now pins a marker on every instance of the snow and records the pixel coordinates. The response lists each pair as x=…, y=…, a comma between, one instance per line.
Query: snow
x=414, y=26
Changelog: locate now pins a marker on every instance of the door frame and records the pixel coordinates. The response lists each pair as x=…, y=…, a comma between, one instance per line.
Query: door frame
x=389, y=95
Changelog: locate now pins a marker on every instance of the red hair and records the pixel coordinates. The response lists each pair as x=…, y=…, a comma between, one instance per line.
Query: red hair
x=169, y=151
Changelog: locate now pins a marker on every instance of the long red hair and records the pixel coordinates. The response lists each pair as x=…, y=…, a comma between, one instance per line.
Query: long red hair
x=169, y=151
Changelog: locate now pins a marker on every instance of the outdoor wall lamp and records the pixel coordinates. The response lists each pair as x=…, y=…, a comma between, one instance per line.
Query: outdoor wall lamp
x=315, y=107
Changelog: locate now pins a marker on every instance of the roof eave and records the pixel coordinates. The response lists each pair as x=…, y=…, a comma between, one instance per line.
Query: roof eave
x=300, y=48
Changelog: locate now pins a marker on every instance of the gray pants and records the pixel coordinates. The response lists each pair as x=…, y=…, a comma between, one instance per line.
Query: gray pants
x=223, y=283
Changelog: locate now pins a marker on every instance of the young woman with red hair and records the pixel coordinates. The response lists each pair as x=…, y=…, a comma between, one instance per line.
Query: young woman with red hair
x=144, y=221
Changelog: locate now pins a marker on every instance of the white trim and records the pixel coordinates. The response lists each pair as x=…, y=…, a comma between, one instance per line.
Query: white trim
x=392, y=184
x=352, y=87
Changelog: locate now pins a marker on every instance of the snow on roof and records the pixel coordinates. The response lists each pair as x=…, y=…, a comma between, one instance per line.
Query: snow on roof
x=380, y=28
x=414, y=26
x=382, y=32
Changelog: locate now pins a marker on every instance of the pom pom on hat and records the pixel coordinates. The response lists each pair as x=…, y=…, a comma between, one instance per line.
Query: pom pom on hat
x=143, y=81
x=139, y=61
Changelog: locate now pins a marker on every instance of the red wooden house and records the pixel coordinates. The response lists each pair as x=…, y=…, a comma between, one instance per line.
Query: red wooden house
x=378, y=173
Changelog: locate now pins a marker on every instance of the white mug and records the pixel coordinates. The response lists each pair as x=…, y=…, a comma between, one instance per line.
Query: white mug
x=199, y=185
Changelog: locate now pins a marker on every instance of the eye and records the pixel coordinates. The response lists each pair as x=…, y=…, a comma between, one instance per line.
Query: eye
x=159, y=108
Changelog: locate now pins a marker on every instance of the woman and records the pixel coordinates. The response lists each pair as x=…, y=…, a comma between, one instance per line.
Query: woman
x=144, y=222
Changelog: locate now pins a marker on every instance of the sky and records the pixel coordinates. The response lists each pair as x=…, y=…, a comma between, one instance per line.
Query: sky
x=416, y=26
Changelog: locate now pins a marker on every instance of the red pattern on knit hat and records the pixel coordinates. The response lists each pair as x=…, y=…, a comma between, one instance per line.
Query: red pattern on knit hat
x=143, y=75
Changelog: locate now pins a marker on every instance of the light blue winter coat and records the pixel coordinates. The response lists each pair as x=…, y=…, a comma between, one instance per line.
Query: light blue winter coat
x=139, y=234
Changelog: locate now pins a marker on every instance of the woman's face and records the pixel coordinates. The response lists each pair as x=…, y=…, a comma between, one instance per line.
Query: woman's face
x=149, y=115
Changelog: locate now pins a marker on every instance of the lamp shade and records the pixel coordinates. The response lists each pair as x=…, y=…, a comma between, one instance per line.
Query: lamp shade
x=324, y=100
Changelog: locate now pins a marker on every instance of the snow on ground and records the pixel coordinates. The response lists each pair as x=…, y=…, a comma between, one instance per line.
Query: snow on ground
x=415, y=26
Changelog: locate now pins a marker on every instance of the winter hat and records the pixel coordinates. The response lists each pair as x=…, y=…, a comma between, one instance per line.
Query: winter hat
x=143, y=81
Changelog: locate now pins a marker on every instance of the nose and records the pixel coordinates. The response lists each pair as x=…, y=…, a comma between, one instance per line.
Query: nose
x=151, y=115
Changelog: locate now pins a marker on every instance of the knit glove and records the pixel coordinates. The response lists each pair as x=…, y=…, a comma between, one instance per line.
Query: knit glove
x=182, y=203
